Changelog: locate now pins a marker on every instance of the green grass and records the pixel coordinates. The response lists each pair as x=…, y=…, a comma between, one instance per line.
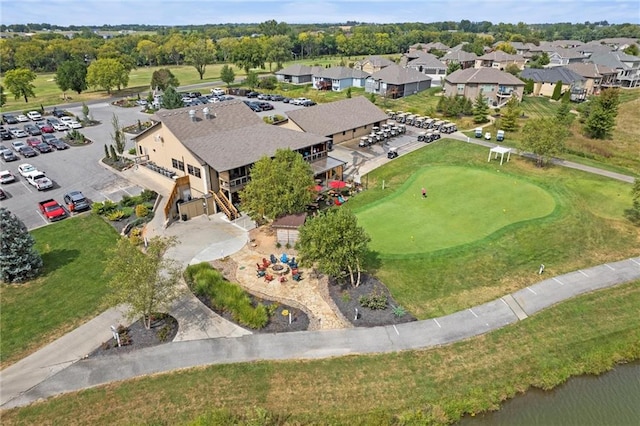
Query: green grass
x=463, y=205
x=69, y=291
x=586, y=335
x=472, y=264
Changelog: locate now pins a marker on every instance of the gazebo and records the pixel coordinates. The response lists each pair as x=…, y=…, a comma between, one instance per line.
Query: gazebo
x=499, y=150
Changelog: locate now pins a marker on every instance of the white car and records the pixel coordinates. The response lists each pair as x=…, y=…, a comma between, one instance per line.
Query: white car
x=39, y=181
x=22, y=118
x=59, y=127
x=34, y=115
x=7, y=177
x=298, y=101
x=217, y=92
x=17, y=133
x=17, y=145
x=26, y=169
x=70, y=123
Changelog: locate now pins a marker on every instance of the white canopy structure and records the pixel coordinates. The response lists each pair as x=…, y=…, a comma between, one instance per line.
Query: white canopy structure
x=499, y=150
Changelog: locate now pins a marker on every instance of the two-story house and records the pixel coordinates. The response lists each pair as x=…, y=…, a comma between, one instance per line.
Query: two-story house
x=627, y=66
x=496, y=86
x=425, y=63
x=597, y=77
x=372, y=64
x=499, y=60
x=465, y=59
x=545, y=80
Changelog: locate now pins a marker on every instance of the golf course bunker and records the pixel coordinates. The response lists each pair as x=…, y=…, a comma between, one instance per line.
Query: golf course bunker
x=462, y=205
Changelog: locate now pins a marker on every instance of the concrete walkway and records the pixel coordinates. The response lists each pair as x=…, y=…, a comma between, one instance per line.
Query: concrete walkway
x=461, y=325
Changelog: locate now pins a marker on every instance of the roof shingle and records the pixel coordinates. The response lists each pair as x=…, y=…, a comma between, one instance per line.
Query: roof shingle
x=482, y=75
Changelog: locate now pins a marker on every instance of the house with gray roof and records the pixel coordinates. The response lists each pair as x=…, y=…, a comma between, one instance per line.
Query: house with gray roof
x=545, y=80
x=499, y=60
x=561, y=56
x=395, y=81
x=597, y=77
x=465, y=59
x=297, y=74
x=372, y=64
x=428, y=47
x=428, y=64
x=627, y=66
x=339, y=121
x=338, y=78
x=205, y=153
x=496, y=86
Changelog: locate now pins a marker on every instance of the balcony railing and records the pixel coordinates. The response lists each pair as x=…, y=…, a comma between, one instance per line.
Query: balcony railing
x=315, y=156
x=233, y=183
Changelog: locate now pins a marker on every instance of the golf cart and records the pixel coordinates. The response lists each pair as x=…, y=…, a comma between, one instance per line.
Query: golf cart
x=392, y=153
x=364, y=142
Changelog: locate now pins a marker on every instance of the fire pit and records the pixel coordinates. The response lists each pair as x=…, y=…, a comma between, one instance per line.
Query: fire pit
x=279, y=269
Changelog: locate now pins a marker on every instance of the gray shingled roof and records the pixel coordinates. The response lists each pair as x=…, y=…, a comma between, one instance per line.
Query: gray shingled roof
x=377, y=61
x=460, y=56
x=337, y=117
x=551, y=75
x=483, y=75
x=234, y=137
x=567, y=53
x=297, y=70
x=426, y=60
x=615, y=60
x=339, y=73
x=499, y=55
x=590, y=70
x=395, y=74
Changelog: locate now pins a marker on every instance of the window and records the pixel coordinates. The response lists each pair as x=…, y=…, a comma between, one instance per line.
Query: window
x=176, y=164
x=193, y=170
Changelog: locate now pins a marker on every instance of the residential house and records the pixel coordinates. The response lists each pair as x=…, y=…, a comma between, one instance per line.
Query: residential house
x=523, y=49
x=338, y=121
x=597, y=77
x=496, y=86
x=372, y=64
x=590, y=48
x=338, y=78
x=566, y=44
x=297, y=74
x=395, y=81
x=627, y=66
x=499, y=60
x=210, y=150
x=428, y=47
x=465, y=59
x=620, y=43
x=428, y=64
x=561, y=57
x=545, y=80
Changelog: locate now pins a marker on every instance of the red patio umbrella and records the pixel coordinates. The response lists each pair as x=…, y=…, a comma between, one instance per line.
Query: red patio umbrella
x=337, y=184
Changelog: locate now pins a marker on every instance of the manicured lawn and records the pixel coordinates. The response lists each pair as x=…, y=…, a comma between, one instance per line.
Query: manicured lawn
x=586, y=335
x=463, y=205
x=69, y=291
x=466, y=249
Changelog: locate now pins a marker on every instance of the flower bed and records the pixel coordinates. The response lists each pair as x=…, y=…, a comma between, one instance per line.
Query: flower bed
x=131, y=213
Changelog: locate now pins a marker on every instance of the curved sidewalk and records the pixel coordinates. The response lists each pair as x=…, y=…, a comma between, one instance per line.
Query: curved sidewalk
x=327, y=343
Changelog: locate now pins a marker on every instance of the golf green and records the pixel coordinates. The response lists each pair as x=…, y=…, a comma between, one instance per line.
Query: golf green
x=463, y=205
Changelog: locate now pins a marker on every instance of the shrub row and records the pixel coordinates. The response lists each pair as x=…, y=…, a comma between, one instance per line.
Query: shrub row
x=225, y=296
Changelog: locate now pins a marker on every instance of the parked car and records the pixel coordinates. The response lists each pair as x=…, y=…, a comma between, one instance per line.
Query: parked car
x=16, y=145
x=217, y=92
x=265, y=106
x=47, y=137
x=8, y=156
x=142, y=102
x=58, y=113
x=308, y=103
x=57, y=144
x=76, y=201
x=52, y=210
x=42, y=147
x=253, y=105
x=298, y=101
x=34, y=115
x=22, y=118
x=57, y=125
x=28, y=152
x=45, y=127
x=9, y=119
x=5, y=135
x=71, y=123
x=3, y=149
x=17, y=133
x=26, y=169
x=39, y=181
x=277, y=98
x=33, y=141
x=264, y=97
x=6, y=177
x=252, y=94
x=32, y=130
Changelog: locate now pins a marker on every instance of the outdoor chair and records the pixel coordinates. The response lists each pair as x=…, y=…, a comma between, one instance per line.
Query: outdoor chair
x=282, y=279
x=284, y=258
x=268, y=278
x=261, y=273
x=265, y=263
x=297, y=277
x=260, y=267
x=274, y=259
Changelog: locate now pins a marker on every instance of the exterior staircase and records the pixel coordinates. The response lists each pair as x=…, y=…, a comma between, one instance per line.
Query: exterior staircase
x=225, y=205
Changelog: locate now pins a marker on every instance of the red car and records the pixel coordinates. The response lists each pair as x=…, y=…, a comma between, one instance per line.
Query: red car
x=33, y=141
x=45, y=127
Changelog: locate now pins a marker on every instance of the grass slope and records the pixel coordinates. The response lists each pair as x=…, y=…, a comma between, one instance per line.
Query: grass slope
x=69, y=291
x=463, y=205
x=586, y=335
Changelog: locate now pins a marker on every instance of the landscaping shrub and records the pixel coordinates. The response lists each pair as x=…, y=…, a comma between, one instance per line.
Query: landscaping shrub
x=374, y=301
x=142, y=210
x=103, y=208
x=115, y=215
x=129, y=201
x=148, y=195
x=126, y=212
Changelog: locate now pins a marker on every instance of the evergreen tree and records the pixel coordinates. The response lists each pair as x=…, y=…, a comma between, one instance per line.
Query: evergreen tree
x=528, y=86
x=348, y=92
x=602, y=114
x=566, y=96
x=19, y=260
x=510, y=115
x=171, y=99
x=557, y=91
x=563, y=114
x=480, y=109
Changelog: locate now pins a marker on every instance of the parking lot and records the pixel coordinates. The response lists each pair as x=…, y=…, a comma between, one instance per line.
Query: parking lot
x=76, y=168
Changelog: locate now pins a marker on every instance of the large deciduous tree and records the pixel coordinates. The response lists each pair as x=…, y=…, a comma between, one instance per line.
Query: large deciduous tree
x=143, y=279
x=277, y=49
x=72, y=75
x=248, y=54
x=279, y=185
x=19, y=260
x=107, y=74
x=3, y=96
x=200, y=54
x=163, y=78
x=227, y=74
x=19, y=82
x=602, y=114
x=334, y=243
x=480, y=109
x=544, y=138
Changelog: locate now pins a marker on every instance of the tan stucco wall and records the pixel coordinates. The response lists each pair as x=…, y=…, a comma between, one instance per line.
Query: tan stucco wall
x=546, y=89
x=352, y=134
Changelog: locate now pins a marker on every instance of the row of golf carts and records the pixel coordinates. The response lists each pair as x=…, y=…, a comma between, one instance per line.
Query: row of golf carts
x=422, y=122
x=380, y=134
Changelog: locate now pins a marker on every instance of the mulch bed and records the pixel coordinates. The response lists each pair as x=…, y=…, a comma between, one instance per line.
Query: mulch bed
x=347, y=299
x=140, y=337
